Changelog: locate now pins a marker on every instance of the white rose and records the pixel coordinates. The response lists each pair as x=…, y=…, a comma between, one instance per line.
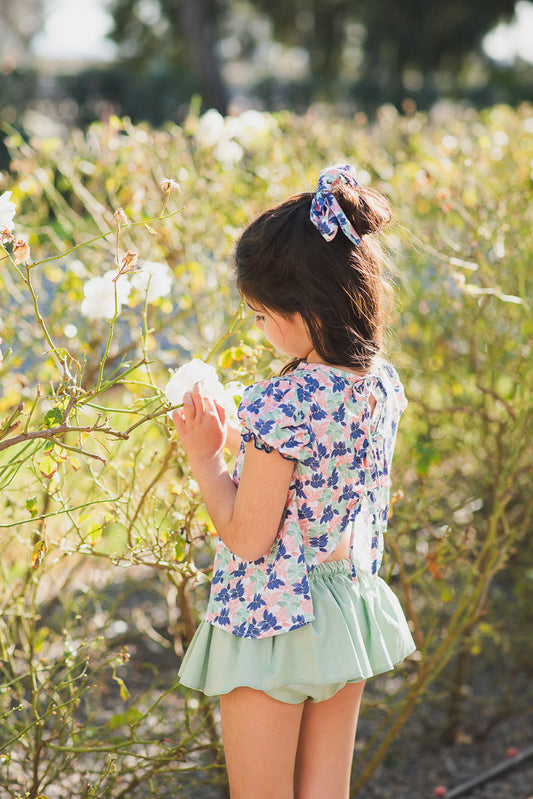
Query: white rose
x=7, y=211
x=187, y=375
x=99, y=295
x=184, y=378
x=250, y=126
x=228, y=152
x=154, y=280
x=211, y=128
x=233, y=392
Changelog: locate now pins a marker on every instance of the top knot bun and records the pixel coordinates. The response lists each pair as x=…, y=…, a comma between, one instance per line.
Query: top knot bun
x=367, y=210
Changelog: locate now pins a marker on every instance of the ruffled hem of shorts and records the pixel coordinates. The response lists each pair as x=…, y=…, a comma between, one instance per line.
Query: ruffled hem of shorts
x=359, y=631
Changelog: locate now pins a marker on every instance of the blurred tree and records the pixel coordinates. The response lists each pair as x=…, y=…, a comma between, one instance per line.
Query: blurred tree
x=19, y=22
x=430, y=38
x=175, y=34
x=397, y=35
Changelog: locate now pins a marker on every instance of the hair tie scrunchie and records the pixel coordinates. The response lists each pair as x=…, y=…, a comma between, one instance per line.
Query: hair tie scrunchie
x=326, y=214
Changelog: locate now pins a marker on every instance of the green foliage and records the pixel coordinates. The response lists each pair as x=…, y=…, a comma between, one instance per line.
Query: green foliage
x=96, y=493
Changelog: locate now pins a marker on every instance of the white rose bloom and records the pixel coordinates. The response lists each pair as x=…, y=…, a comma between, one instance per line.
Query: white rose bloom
x=99, y=293
x=197, y=371
x=187, y=375
x=250, y=126
x=228, y=152
x=154, y=279
x=211, y=128
x=233, y=392
x=7, y=211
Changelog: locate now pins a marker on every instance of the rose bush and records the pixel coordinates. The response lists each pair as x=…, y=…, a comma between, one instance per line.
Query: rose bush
x=95, y=490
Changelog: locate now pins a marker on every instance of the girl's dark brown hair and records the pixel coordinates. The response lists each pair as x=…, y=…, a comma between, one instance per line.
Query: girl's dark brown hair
x=285, y=265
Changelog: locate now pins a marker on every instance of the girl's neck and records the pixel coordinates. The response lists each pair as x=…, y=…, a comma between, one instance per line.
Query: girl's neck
x=314, y=357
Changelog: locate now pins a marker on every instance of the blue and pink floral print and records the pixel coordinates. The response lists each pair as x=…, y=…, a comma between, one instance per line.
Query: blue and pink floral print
x=320, y=417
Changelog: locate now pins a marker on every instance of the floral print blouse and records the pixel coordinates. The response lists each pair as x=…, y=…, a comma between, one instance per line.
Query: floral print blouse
x=320, y=417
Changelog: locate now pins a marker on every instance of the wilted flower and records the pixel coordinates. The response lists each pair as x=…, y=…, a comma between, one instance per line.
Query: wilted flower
x=196, y=371
x=120, y=217
x=129, y=262
x=7, y=211
x=168, y=185
x=99, y=293
x=21, y=252
x=154, y=279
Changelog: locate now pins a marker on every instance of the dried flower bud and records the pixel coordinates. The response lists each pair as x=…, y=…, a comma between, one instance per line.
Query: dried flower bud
x=6, y=235
x=120, y=217
x=129, y=262
x=21, y=252
x=168, y=185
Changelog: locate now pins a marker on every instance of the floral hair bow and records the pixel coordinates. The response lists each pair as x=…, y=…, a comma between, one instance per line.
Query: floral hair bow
x=326, y=214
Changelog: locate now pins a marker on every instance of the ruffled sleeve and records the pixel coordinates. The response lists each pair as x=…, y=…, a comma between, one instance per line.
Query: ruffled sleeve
x=271, y=416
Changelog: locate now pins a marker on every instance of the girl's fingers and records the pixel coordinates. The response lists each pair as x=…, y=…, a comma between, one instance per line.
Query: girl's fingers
x=188, y=407
x=177, y=418
x=221, y=412
x=198, y=398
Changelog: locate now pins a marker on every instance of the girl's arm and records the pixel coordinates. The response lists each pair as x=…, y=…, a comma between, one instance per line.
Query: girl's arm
x=247, y=517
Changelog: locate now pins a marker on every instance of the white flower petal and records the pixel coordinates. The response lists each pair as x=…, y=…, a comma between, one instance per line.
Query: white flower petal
x=99, y=296
x=154, y=279
x=184, y=378
x=7, y=211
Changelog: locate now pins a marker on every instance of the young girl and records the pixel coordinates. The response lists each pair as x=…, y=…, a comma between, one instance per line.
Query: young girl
x=298, y=618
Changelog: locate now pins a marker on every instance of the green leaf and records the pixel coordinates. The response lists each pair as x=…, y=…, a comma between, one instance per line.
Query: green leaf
x=53, y=417
x=47, y=466
x=116, y=721
x=31, y=506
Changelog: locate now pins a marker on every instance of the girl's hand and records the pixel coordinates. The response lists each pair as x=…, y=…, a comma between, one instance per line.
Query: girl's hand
x=201, y=425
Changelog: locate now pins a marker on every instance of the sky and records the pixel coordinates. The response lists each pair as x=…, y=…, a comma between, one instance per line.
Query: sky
x=75, y=30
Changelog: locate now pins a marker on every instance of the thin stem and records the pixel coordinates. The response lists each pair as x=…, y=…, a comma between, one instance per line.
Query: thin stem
x=109, y=338
x=41, y=516
x=103, y=236
x=40, y=319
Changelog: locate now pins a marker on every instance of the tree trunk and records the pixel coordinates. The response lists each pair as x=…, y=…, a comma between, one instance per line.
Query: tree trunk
x=196, y=28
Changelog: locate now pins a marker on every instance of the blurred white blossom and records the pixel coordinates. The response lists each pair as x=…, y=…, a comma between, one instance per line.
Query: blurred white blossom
x=227, y=136
x=99, y=295
x=250, y=126
x=196, y=371
x=228, y=152
x=211, y=128
x=7, y=211
x=153, y=279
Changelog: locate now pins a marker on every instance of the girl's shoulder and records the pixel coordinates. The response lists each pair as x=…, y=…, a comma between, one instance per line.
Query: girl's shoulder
x=275, y=391
x=312, y=383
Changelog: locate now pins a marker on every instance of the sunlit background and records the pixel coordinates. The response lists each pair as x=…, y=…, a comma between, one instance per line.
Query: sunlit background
x=77, y=31
x=69, y=62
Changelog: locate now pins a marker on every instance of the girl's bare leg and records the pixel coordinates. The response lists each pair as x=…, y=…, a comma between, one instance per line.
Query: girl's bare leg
x=260, y=738
x=326, y=744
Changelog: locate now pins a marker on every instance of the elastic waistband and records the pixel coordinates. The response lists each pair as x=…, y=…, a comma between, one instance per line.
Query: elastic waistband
x=330, y=568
